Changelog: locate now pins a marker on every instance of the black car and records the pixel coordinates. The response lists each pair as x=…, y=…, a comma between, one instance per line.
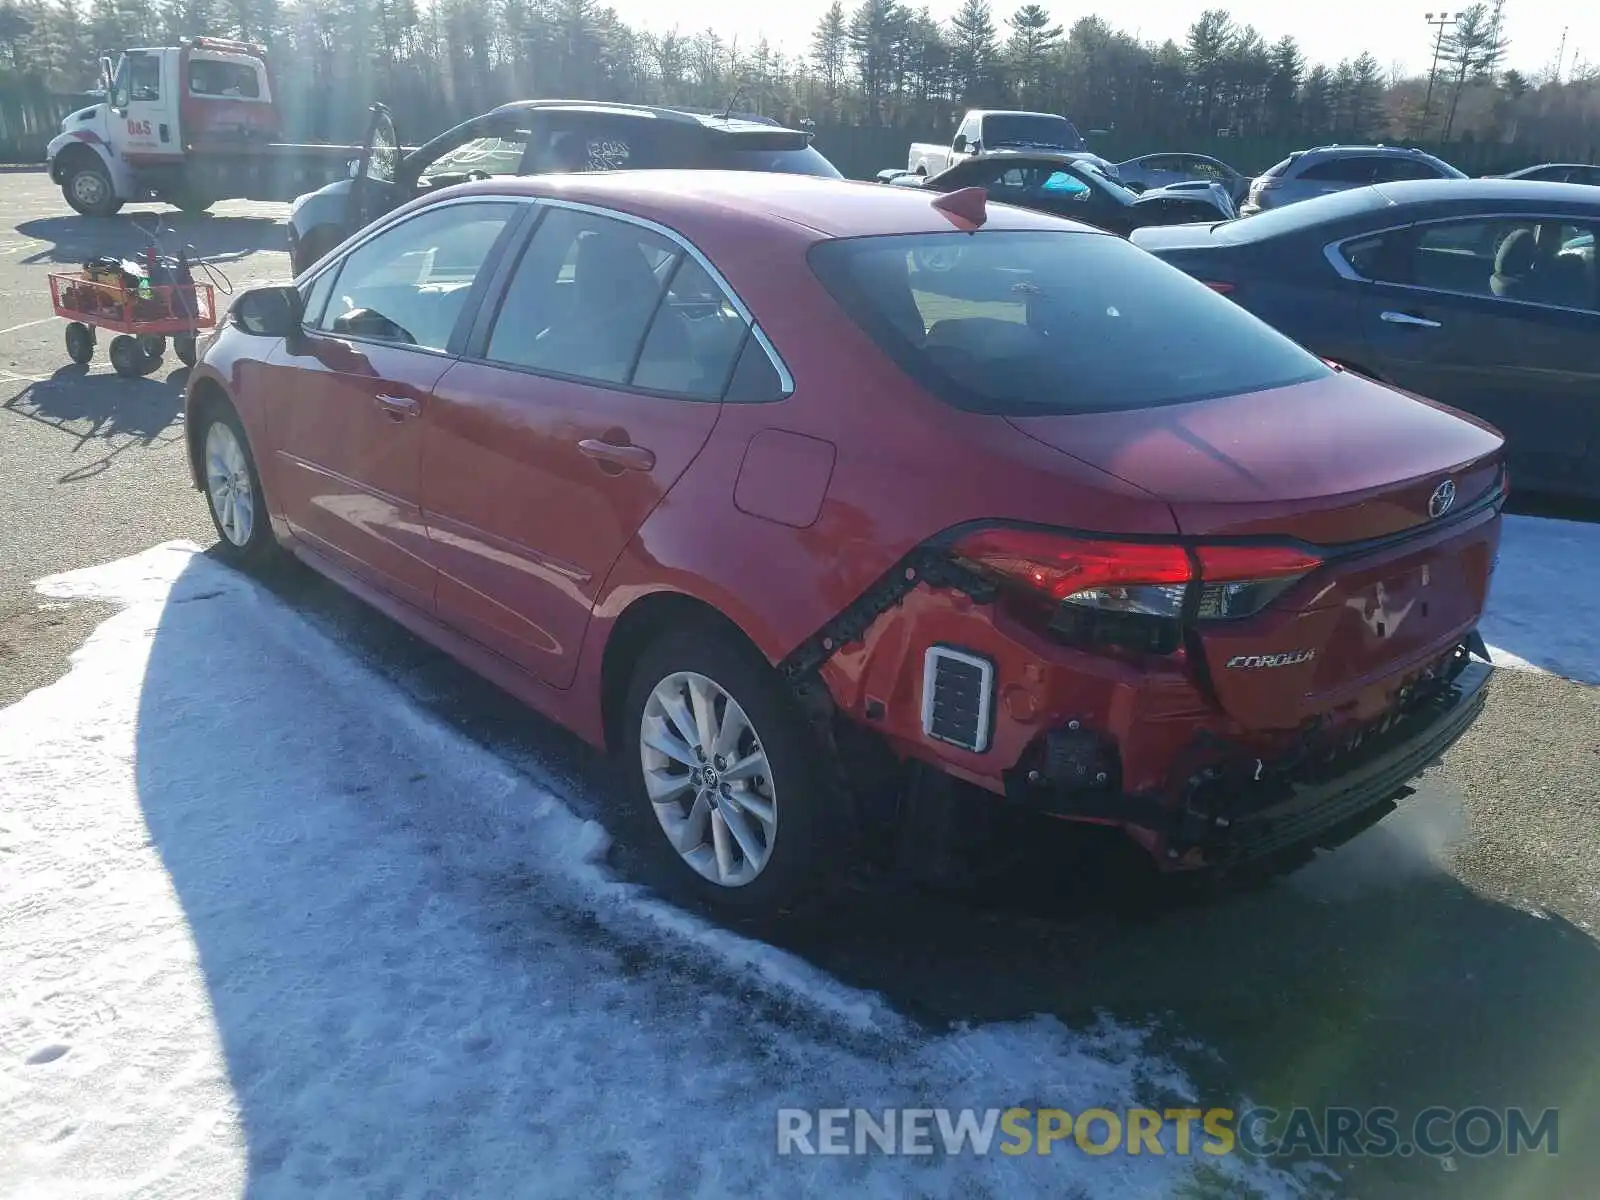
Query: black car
x=1071, y=186
x=533, y=137
x=1482, y=294
x=1556, y=173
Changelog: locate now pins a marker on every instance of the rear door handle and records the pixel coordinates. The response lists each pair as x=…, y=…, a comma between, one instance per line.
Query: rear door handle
x=1400, y=318
x=399, y=407
x=627, y=455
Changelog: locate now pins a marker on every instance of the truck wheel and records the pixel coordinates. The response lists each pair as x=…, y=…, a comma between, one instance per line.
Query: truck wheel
x=88, y=189
x=80, y=342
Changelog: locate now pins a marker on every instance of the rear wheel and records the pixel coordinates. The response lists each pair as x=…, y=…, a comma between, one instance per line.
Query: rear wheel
x=730, y=803
x=127, y=359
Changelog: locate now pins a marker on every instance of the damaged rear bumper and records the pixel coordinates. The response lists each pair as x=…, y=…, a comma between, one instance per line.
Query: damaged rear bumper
x=1228, y=815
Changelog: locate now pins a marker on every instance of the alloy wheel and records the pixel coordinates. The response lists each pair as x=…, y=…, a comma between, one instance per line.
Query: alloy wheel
x=228, y=484
x=708, y=779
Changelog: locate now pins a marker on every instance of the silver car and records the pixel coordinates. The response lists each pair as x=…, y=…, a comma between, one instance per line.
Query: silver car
x=1164, y=170
x=1308, y=173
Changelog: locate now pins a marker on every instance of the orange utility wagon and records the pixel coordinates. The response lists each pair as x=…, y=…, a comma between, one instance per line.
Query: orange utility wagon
x=142, y=315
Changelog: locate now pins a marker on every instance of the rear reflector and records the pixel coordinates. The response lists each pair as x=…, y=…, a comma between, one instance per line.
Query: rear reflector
x=957, y=697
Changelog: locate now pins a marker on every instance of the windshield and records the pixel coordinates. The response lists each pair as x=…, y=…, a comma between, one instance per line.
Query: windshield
x=1102, y=179
x=1042, y=323
x=1035, y=129
x=805, y=161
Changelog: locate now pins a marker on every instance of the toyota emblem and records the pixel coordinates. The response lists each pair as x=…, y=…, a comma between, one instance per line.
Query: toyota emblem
x=1444, y=496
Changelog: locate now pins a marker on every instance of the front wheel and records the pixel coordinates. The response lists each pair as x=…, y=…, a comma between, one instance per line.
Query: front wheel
x=80, y=342
x=88, y=189
x=730, y=799
x=233, y=489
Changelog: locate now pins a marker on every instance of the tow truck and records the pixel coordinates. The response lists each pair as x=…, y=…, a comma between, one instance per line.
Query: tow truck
x=190, y=125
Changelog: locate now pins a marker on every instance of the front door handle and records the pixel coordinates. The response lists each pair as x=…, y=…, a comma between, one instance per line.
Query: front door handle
x=398, y=408
x=1400, y=318
x=618, y=454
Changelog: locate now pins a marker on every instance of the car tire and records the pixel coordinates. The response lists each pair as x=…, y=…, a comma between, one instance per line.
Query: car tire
x=194, y=204
x=232, y=488
x=767, y=837
x=88, y=189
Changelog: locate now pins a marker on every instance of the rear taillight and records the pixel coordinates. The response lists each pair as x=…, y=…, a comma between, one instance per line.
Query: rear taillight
x=1216, y=285
x=1134, y=594
x=1236, y=581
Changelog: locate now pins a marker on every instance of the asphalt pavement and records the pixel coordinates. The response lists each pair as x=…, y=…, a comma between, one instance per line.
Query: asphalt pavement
x=1446, y=957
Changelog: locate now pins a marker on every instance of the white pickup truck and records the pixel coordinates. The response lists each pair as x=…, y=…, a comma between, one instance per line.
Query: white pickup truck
x=993, y=129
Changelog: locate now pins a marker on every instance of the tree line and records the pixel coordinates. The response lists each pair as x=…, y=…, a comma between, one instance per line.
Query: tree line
x=880, y=64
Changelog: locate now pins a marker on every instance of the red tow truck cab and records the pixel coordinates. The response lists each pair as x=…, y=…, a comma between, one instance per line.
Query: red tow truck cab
x=190, y=124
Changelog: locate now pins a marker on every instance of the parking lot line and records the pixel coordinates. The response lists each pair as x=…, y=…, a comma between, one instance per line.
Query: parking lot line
x=27, y=325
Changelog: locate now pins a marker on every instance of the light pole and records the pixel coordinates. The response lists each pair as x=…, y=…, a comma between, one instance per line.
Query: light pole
x=1441, y=22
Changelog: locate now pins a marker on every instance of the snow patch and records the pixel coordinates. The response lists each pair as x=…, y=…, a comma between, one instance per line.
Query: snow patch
x=1543, y=597
x=270, y=928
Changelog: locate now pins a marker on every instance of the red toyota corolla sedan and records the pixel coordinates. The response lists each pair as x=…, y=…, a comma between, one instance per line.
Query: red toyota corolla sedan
x=804, y=496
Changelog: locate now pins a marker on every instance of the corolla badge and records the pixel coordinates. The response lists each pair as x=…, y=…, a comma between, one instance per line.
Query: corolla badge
x=1442, y=500
x=1251, y=662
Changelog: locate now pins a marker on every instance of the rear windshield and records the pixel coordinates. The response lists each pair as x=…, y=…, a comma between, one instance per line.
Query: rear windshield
x=805, y=161
x=1291, y=218
x=1025, y=323
x=1015, y=129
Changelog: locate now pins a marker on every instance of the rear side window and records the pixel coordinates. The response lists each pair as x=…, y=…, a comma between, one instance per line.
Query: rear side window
x=1342, y=170
x=1041, y=323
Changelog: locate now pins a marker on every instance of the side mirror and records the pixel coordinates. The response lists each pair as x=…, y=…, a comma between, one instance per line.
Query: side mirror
x=105, y=76
x=269, y=311
x=960, y=144
x=975, y=146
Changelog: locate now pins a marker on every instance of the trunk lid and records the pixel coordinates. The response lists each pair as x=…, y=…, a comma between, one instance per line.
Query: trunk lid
x=1342, y=464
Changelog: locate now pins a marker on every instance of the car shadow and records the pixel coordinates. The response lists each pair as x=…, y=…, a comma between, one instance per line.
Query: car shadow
x=74, y=239
x=105, y=412
x=1370, y=977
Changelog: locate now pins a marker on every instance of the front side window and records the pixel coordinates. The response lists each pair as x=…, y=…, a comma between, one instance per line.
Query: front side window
x=1043, y=323
x=608, y=301
x=138, y=79
x=1535, y=261
x=409, y=284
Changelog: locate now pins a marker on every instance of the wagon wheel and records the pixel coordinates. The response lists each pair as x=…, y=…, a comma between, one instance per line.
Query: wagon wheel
x=126, y=357
x=152, y=345
x=80, y=342
x=183, y=346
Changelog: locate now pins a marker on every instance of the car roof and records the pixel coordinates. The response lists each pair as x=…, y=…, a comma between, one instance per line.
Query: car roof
x=1060, y=156
x=1514, y=193
x=731, y=123
x=1545, y=166
x=757, y=202
x=1336, y=149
